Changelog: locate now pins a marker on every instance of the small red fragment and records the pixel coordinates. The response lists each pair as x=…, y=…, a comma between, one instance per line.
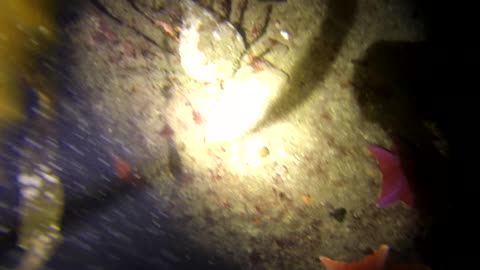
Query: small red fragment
x=122, y=168
x=374, y=261
x=168, y=28
x=167, y=131
x=197, y=117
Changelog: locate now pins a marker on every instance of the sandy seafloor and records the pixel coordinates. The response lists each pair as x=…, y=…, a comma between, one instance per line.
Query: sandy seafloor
x=299, y=184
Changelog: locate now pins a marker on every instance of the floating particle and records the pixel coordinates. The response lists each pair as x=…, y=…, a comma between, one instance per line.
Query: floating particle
x=307, y=198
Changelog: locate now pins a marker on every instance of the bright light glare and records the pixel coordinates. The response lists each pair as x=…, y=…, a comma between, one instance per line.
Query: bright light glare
x=193, y=60
x=244, y=102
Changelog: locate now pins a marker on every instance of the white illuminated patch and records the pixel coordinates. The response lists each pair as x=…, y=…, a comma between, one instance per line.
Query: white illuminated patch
x=50, y=178
x=49, y=195
x=43, y=238
x=245, y=101
x=193, y=60
x=216, y=35
x=209, y=50
x=44, y=168
x=54, y=227
x=30, y=180
x=284, y=34
x=29, y=192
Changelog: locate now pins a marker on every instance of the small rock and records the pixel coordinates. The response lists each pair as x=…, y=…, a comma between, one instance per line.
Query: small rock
x=209, y=50
x=263, y=152
x=339, y=214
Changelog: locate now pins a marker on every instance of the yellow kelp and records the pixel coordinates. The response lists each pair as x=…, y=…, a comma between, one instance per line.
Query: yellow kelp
x=27, y=29
x=27, y=32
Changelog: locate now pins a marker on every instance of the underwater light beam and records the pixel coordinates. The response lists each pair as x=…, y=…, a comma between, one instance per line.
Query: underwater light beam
x=244, y=103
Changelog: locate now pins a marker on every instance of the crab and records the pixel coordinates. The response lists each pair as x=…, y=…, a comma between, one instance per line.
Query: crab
x=254, y=32
x=245, y=39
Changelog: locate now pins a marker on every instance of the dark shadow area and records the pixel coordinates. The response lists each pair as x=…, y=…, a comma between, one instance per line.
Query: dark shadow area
x=312, y=68
x=403, y=86
x=69, y=12
x=396, y=85
x=113, y=224
x=131, y=232
x=102, y=196
x=429, y=174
